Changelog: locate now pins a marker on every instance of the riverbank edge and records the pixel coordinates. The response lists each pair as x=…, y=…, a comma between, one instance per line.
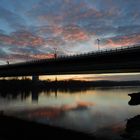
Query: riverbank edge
x=15, y=128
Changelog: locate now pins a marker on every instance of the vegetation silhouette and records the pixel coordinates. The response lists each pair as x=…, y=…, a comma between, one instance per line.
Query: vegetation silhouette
x=25, y=87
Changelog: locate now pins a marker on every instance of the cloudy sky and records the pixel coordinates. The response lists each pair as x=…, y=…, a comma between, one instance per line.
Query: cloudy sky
x=32, y=29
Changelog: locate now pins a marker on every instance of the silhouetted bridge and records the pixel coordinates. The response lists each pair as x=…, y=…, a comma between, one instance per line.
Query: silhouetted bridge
x=122, y=60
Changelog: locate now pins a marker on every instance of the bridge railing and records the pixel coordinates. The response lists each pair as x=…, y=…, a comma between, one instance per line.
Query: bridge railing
x=122, y=48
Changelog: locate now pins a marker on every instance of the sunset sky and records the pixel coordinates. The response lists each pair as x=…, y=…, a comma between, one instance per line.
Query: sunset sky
x=32, y=29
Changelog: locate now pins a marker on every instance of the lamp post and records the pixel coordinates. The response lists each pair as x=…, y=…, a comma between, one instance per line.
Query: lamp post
x=55, y=54
x=7, y=62
x=98, y=44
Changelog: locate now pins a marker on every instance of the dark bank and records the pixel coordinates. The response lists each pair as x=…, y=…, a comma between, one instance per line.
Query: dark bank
x=14, y=128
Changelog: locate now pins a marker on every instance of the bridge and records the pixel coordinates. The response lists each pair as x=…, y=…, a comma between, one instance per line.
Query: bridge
x=121, y=60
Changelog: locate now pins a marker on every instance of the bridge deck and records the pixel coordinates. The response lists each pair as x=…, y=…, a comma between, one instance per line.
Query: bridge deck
x=116, y=60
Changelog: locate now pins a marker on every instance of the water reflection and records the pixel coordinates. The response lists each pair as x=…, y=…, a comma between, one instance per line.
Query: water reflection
x=54, y=112
x=99, y=111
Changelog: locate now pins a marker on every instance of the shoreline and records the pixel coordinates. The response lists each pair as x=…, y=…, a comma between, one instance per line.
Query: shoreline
x=26, y=86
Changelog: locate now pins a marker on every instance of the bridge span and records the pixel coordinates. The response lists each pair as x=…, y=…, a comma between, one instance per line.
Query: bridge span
x=125, y=60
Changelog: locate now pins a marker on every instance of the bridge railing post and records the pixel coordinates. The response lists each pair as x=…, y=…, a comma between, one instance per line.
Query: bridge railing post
x=35, y=78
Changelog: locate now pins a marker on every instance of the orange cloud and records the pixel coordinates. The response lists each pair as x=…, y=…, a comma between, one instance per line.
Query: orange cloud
x=25, y=38
x=55, y=42
x=123, y=41
x=81, y=36
x=42, y=56
x=58, y=35
x=22, y=38
x=74, y=33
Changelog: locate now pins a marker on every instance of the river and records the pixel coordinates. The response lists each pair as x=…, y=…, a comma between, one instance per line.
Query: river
x=102, y=112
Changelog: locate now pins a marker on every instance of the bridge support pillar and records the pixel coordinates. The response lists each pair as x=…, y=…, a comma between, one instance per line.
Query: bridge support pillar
x=35, y=78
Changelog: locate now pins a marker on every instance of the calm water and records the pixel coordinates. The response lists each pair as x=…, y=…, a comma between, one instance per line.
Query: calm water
x=98, y=111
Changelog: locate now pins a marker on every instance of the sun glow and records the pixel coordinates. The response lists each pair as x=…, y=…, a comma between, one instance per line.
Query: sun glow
x=93, y=77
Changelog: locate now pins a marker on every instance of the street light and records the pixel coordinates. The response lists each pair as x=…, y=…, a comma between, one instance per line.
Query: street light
x=55, y=54
x=7, y=62
x=98, y=44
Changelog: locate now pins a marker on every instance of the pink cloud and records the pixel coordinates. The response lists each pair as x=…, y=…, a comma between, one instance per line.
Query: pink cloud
x=42, y=56
x=74, y=33
x=25, y=38
x=6, y=40
x=123, y=40
x=22, y=39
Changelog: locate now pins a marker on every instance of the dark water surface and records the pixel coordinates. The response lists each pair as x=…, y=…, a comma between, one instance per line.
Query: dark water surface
x=102, y=112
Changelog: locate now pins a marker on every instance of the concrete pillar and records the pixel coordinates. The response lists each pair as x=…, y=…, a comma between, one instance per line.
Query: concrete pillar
x=35, y=78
